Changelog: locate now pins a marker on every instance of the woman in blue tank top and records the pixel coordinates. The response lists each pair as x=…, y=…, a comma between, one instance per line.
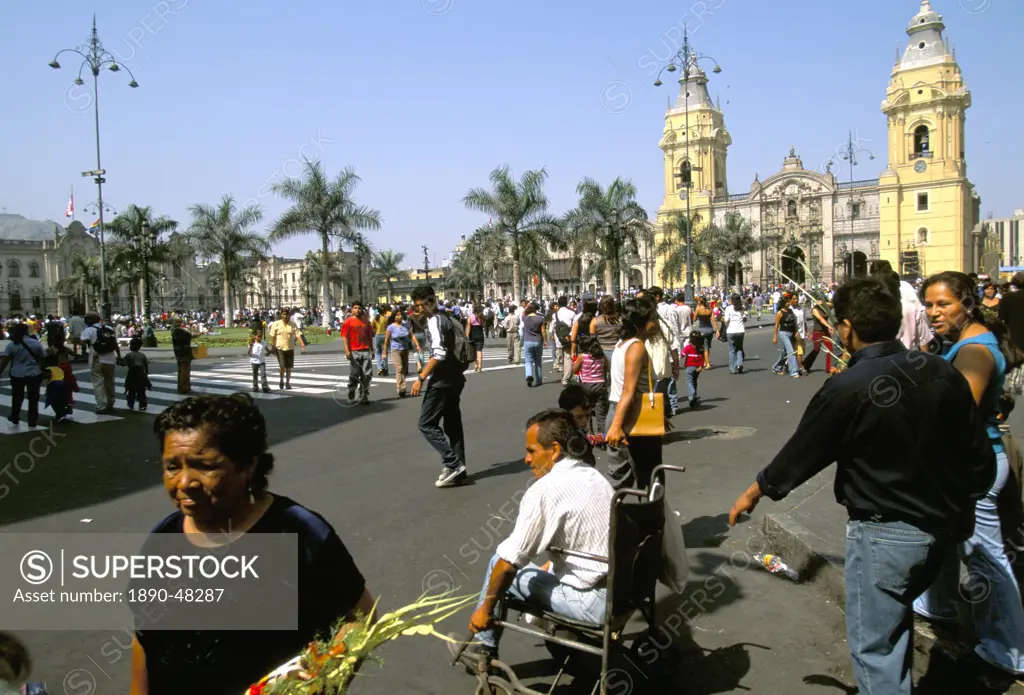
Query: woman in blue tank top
x=980, y=346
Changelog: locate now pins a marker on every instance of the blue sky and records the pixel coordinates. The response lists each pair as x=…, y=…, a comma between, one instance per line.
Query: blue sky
x=425, y=97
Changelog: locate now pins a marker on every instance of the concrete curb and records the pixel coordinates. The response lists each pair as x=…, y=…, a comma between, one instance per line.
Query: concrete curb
x=796, y=545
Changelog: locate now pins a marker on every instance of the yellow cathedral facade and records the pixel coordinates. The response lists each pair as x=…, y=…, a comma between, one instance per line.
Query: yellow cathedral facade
x=921, y=214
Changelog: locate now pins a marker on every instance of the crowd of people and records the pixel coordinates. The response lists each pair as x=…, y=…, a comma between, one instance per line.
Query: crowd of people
x=930, y=477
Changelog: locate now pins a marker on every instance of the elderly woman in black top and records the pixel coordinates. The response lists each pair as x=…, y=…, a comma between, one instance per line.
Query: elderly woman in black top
x=215, y=466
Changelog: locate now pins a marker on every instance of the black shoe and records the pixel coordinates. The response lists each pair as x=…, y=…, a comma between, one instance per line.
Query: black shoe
x=287, y=387
x=351, y=394
x=142, y=408
x=529, y=382
x=365, y=400
x=266, y=390
x=450, y=477
x=13, y=420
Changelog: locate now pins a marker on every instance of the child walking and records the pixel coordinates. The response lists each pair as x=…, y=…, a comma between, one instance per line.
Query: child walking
x=137, y=380
x=591, y=365
x=258, y=360
x=693, y=351
x=57, y=389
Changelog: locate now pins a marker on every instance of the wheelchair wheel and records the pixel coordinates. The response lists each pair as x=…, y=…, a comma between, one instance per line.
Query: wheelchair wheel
x=495, y=686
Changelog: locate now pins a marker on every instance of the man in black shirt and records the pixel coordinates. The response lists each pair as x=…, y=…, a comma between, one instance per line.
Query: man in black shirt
x=444, y=379
x=913, y=457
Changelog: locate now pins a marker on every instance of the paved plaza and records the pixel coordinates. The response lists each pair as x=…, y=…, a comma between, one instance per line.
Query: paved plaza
x=370, y=473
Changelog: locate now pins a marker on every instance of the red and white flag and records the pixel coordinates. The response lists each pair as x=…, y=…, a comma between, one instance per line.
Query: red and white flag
x=70, y=212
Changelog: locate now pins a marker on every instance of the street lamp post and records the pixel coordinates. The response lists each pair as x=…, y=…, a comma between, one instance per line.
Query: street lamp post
x=849, y=154
x=686, y=59
x=96, y=58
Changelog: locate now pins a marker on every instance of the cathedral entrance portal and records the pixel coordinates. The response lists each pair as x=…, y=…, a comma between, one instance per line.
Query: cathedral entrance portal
x=792, y=264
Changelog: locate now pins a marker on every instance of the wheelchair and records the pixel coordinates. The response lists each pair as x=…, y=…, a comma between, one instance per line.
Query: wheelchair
x=634, y=564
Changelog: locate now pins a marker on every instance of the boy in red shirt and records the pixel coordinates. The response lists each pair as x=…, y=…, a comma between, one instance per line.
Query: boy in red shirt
x=693, y=352
x=357, y=337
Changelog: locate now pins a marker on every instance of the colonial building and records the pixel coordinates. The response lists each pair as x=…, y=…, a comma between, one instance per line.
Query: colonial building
x=36, y=255
x=284, y=282
x=921, y=214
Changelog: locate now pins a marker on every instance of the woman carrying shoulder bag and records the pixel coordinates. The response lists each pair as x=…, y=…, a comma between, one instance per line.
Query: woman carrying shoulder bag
x=630, y=399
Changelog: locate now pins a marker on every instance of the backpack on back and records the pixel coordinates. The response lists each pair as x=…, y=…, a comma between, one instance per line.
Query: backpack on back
x=461, y=349
x=562, y=331
x=106, y=340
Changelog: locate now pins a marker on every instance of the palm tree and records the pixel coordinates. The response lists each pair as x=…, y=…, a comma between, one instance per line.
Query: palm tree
x=386, y=267
x=125, y=235
x=612, y=220
x=517, y=209
x=313, y=271
x=484, y=250
x=83, y=281
x=731, y=243
x=325, y=208
x=223, y=233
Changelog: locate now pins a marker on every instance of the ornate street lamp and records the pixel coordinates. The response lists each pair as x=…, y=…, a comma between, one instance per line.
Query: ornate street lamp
x=95, y=57
x=848, y=155
x=686, y=60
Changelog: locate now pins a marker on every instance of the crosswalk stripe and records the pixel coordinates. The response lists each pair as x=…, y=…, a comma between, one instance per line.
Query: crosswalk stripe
x=200, y=386
x=85, y=417
x=224, y=377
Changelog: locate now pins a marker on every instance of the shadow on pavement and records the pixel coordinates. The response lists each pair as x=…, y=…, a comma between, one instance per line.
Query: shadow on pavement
x=706, y=531
x=498, y=469
x=81, y=466
x=830, y=682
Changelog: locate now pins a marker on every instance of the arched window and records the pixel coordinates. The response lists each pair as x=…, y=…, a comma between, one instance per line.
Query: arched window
x=202, y=298
x=685, y=175
x=13, y=269
x=33, y=269
x=37, y=302
x=922, y=146
x=922, y=235
x=791, y=208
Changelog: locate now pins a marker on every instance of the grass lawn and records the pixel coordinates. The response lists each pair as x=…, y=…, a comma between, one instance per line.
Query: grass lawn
x=239, y=337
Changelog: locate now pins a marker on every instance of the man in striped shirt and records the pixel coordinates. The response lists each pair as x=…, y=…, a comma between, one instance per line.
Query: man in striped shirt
x=567, y=507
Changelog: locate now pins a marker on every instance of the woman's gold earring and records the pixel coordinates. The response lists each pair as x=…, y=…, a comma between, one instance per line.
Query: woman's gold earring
x=252, y=497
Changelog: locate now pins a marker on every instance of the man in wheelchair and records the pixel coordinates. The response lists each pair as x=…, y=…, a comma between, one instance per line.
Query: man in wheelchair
x=567, y=507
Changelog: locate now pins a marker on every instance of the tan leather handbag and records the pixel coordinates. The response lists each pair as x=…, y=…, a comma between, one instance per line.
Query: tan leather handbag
x=647, y=412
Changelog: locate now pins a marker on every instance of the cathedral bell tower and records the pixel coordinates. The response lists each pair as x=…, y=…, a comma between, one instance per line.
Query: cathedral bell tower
x=927, y=206
x=695, y=143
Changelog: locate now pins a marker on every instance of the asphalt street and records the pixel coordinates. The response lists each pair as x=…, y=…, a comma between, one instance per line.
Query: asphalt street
x=370, y=473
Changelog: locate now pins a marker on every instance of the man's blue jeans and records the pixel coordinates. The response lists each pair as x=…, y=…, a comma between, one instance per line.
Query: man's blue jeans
x=735, y=351
x=990, y=587
x=533, y=354
x=543, y=590
x=787, y=354
x=378, y=350
x=888, y=565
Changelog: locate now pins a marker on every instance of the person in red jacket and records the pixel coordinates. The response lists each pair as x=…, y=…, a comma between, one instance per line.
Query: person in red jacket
x=357, y=337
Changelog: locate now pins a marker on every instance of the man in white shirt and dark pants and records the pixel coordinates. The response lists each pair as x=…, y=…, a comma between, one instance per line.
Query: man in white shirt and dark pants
x=102, y=365
x=563, y=354
x=568, y=507
x=442, y=381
